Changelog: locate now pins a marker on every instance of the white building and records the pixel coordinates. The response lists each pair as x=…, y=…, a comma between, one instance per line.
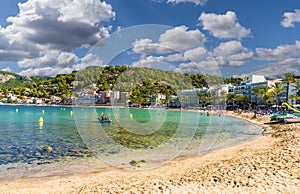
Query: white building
x=253, y=81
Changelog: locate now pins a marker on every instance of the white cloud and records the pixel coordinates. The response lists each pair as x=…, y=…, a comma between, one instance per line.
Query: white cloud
x=209, y=67
x=180, y=38
x=197, y=2
x=194, y=59
x=53, y=71
x=175, y=57
x=148, y=61
x=146, y=46
x=280, y=53
x=45, y=71
x=275, y=69
x=284, y=59
x=223, y=26
x=195, y=54
x=50, y=59
x=57, y=63
x=232, y=53
x=46, y=29
x=289, y=18
x=157, y=62
x=53, y=24
x=173, y=40
x=7, y=69
x=151, y=61
x=88, y=11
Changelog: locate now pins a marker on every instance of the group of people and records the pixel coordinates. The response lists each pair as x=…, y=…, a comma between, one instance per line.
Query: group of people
x=104, y=117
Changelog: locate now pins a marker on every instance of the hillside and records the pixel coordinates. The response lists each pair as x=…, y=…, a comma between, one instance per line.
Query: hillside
x=96, y=79
x=13, y=80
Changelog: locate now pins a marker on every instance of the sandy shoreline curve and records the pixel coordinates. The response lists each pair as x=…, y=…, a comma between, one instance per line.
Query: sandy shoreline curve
x=270, y=163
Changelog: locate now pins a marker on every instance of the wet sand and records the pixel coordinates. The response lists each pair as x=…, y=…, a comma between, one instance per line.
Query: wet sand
x=268, y=164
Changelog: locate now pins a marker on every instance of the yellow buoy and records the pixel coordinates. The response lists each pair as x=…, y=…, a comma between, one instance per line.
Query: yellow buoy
x=17, y=110
x=131, y=116
x=71, y=113
x=48, y=149
x=43, y=111
x=41, y=120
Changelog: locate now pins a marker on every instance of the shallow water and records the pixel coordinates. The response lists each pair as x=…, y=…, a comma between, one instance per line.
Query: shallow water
x=136, y=137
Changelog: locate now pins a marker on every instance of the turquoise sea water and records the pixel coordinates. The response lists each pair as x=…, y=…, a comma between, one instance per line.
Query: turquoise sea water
x=74, y=133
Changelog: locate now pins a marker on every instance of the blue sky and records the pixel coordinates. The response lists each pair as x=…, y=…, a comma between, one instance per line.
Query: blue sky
x=43, y=37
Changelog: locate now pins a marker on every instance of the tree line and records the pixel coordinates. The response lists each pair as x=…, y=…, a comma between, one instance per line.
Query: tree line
x=137, y=80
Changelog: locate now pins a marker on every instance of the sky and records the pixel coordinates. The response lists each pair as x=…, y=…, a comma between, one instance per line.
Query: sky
x=49, y=37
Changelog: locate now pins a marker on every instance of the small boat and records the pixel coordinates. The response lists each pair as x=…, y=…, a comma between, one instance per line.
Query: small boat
x=104, y=121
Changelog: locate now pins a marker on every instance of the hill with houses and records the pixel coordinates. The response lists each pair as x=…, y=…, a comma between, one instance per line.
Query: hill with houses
x=145, y=87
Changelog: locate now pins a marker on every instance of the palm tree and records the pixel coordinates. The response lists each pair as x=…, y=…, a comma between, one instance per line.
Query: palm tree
x=269, y=98
x=256, y=91
x=277, y=89
x=264, y=93
x=289, y=78
x=297, y=89
x=204, y=97
x=293, y=97
x=243, y=100
x=208, y=98
x=230, y=98
x=201, y=97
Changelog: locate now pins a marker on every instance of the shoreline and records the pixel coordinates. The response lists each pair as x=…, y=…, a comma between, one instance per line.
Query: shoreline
x=186, y=173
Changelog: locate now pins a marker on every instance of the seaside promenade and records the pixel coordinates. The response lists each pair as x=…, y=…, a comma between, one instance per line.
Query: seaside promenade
x=268, y=164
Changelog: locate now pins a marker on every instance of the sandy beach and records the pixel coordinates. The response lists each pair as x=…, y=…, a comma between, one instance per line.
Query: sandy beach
x=268, y=164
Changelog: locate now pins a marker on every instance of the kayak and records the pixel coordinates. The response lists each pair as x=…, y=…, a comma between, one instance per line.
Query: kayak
x=104, y=121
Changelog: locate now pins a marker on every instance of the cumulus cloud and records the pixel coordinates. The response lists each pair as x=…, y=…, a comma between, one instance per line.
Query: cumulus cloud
x=209, y=67
x=7, y=69
x=52, y=59
x=180, y=38
x=83, y=63
x=45, y=29
x=149, y=62
x=146, y=46
x=197, y=2
x=289, y=18
x=175, y=57
x=191, y=57
x=45, y=71
x=280, y=53
x=173, y=40
x=280, y=68
x=223, y=26
x=152, y=61
x=161, y=62
x=195, y=54
x=232, y=53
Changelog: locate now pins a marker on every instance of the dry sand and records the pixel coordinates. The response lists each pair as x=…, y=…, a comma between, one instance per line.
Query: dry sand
x=269, y=164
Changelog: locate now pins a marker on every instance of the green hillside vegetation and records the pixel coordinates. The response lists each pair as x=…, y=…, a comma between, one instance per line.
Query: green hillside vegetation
x=9, y=73
x=121, y=78
x=149, y=90
x=135, y=76
x=20, y=81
